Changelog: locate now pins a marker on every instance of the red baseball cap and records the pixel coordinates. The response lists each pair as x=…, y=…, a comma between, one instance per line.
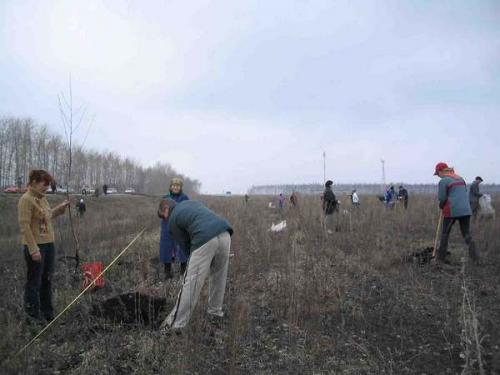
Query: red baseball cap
x=440, y=167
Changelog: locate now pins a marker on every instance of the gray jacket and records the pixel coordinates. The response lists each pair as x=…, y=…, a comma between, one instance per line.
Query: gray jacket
x=193, y=225
x=474, y=193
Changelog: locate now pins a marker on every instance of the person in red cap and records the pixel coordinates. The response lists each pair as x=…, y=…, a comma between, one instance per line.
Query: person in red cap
x=454, y=202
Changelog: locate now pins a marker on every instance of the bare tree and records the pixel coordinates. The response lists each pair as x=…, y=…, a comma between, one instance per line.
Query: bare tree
x=26, y=145
x=71, y=121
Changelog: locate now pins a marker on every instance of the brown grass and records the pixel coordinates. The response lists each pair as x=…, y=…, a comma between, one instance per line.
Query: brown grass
x=297, y=302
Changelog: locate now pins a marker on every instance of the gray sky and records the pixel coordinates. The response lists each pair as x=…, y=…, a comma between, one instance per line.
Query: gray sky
x=237, y=93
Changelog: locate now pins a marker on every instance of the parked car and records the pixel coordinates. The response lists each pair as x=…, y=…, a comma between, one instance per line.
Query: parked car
x=15, y=189
x=112, y=190
x=130, y=191
x=63, y=190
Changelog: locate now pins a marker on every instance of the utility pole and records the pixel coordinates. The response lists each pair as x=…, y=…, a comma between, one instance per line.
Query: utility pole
x=383, y=175
x=324, y=166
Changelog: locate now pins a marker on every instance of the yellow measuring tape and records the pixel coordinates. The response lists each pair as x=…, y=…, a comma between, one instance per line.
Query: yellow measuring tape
x=78, y=296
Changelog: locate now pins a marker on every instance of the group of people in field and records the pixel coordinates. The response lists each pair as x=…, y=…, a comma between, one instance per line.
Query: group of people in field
x=191, y=234
x=391, y=197
x=456, y=204
x=200, y=240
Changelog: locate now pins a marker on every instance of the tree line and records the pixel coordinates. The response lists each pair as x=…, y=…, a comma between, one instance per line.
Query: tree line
x=26, y=145
x=364, y=188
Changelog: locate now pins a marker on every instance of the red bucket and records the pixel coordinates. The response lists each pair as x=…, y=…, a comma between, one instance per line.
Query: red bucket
x=90, y=273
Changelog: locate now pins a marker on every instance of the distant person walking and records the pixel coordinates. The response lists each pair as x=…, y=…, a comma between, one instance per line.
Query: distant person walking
x=474, y=196
x=281, y=203
x=355, y=198
x=329, y=206
x=170, y=249
x=105, y=189
x=207, y=237
x=403, y=196
x=53, y=186
x=390, y=198
x=34, y=216
x=247, y=198
x=294, y=199
x=455, y=206
x=81, y=207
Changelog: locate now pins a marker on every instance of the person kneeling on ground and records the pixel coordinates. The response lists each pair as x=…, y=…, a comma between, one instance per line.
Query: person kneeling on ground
x=454, y=203
x=208, y=238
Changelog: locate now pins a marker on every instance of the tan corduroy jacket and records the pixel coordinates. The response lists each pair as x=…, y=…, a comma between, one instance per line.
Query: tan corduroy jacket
x=34, y=216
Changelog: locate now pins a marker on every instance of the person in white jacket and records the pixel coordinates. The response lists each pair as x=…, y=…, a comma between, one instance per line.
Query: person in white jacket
x=355, y=198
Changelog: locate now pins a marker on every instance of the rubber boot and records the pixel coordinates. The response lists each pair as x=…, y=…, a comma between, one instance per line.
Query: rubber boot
x=168, y=271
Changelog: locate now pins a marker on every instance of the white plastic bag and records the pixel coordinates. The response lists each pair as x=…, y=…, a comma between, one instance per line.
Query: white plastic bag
x=485, y=207
x=278, y=227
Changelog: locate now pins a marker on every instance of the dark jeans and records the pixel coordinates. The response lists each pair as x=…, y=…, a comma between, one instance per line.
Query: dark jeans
x=475, y=209
x=38, y=289
x=464, y=222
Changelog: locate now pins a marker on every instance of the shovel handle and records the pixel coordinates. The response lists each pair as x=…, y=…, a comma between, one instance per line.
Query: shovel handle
x=440, y=221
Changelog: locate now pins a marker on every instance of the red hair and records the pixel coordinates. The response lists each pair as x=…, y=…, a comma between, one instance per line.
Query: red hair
x=39, y=175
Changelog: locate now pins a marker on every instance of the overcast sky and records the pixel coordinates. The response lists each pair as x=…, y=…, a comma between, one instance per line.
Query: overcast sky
x=237, y=93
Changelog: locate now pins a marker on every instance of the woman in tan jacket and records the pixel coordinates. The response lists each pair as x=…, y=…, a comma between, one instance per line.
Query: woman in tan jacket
x=34, y=215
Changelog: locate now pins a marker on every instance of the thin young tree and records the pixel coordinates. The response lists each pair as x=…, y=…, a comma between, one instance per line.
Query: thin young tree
x=71, y=120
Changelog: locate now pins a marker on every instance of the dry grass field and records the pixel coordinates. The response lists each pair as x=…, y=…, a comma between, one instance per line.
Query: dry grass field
x=297, y=302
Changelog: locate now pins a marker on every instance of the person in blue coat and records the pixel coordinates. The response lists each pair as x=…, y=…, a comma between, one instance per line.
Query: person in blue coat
x=170, y=249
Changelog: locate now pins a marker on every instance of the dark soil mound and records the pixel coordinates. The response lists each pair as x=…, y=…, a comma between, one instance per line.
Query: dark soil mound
x=421, y=257
x=131, y=308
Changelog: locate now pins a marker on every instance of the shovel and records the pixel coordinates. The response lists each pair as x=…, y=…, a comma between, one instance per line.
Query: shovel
x=438, y=229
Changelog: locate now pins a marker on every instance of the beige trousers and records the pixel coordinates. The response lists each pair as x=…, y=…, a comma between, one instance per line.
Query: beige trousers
x=212, y=259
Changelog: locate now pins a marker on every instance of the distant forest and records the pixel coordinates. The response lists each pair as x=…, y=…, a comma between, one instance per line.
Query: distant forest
x=318, y=188
x=26, y=145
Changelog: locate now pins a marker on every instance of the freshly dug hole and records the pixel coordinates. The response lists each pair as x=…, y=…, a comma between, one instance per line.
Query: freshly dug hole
x=131, y=308
x=422, y=257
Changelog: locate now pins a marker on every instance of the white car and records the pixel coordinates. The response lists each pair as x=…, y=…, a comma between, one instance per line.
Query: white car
x=130, y=191
x=112, y=191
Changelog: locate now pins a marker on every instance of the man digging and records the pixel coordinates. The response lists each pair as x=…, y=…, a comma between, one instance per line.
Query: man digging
x=454, y=203
x=207, y=237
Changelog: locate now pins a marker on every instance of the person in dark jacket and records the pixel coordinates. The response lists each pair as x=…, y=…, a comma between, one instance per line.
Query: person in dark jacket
x=81, y=207
x=403, y=196
x=329, y=206
x=390, y=198
x=170, y=249
x=294, y=199
x=474, y=195
x=207, y=237
x=455, y=206
x=53, y=187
